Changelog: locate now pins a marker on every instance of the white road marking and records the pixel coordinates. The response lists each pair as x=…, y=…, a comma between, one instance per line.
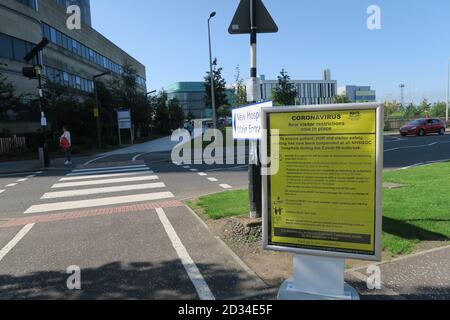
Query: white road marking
x=202, y=174
x=11, y=185
x=85, y=192
x=105, y=181
x=419, y=146
x=106, y=171
x=22, y=180
x=93, y=160
x=70, y=205
x=226, y=186
x=19, y=236
x=32, y=176
x=113, y=175
x=39, y=172
x=138, y=156
x=14, y=174
x=109, y=168
x=1, y=191
x=213, y=179
x=203, y=291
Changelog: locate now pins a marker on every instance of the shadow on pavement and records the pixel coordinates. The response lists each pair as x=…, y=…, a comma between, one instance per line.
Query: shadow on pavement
x=136, y=281
x=409, y=231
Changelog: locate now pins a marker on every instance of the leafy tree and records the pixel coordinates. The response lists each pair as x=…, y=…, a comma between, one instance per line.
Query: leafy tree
x=411, y=111
x=176, y=114
x=392, y=107
x=224, y=112
x=286, y=92
x=7, y=99
x=161, y=113
x=341, y=99
x=438, y=109
x=424, y=107
x=240, y=92
x=219, y=87
x=126, y=95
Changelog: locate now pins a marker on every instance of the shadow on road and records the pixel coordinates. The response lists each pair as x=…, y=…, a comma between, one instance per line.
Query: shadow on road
x=136, y=281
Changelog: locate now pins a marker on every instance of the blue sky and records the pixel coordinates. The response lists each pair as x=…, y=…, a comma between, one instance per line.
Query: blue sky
x=170, y=38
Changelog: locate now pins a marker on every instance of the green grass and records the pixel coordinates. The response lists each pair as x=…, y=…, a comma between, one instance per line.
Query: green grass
x=222, y=205
x=418, y=212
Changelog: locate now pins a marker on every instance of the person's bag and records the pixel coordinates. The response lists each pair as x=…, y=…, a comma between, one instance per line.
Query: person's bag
x=64, y=143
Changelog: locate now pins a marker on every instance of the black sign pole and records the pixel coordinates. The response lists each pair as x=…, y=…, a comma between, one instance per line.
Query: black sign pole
x=254, y=169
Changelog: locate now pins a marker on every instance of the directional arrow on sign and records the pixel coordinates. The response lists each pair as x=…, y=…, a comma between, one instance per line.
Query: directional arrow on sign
x=242, y=22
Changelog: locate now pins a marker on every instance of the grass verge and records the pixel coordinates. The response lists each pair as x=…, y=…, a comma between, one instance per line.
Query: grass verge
x=416, y=213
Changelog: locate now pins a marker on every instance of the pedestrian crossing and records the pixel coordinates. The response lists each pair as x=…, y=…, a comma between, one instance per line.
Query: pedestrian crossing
x=101, y=186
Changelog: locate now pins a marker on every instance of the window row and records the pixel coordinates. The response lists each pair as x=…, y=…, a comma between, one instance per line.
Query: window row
x=29, y=3
x=62, y=40
x=69, y=80
x=15, y=49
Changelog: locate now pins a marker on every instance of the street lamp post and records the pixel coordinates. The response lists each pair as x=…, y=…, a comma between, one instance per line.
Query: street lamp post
x=447, y=102
x=96, y=110
x=213, y=97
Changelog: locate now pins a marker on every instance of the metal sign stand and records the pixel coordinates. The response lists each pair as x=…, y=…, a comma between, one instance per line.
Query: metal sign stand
x=317, y=278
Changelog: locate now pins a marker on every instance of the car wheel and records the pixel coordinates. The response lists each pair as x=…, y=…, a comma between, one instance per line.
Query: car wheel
x=422, y=133
x=442, y=131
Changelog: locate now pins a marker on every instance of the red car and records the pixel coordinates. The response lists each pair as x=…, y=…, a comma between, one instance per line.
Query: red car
x=422, y=127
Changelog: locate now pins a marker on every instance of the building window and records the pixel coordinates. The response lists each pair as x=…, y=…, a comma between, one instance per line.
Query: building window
x=6, y=50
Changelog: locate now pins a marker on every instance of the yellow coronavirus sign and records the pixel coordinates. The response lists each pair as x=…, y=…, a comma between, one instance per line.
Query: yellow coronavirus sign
x=324, y=197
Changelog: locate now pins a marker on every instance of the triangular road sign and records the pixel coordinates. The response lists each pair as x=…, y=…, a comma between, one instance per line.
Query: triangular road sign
x=241, y=23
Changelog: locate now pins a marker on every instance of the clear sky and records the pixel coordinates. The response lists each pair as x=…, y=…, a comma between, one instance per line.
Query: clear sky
x=170, y=38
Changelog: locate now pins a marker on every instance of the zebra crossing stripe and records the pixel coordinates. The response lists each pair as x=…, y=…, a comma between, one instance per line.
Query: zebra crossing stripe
x=100, y=202
x=103, y=181
x=86, y=192
x=112, y=175
x=110, y=168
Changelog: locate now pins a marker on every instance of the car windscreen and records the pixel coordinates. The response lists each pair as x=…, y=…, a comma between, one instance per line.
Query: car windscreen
x=416, y=123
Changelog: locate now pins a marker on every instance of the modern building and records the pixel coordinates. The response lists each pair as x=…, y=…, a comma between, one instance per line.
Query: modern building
x=359, y=93
x=191, y=97
x=72, y=58
x=309, y=92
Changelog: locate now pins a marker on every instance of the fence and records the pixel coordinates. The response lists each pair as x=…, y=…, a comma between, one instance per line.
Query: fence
x=12, y=145
x=394, y=124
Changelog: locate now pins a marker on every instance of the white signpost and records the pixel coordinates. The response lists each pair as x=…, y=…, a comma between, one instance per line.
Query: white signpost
x=124, y=123
x=247, y=121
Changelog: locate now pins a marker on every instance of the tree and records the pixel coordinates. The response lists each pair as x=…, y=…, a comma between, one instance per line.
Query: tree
x=286, y=92
x=161, y=113
x=424, y=107
x=411, y=111
x=438, y=109
x=176, y=114
x=126, y=95
x=7, y=100
x=392, y=107
x=219, y=87
x=341, y=99
x=240, y=92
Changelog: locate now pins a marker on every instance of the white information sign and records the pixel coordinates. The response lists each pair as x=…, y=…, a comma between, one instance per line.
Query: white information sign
x=247, y=121
x=124, y=119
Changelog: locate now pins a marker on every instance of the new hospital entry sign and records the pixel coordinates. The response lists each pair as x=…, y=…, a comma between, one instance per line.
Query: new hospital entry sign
x=325, y=198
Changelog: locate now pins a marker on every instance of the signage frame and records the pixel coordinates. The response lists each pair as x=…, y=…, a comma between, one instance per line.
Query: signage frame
x=256, y=107
x=267, y=227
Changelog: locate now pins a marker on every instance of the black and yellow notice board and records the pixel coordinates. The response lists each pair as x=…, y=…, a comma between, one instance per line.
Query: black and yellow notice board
x=323, y=196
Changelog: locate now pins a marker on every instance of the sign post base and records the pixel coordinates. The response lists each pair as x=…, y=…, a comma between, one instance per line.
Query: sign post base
x=317, y=278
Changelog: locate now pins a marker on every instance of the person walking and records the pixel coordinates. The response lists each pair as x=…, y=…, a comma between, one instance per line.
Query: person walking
x=66, y=144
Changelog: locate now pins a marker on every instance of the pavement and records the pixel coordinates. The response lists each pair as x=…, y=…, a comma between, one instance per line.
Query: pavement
x=120, y=218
